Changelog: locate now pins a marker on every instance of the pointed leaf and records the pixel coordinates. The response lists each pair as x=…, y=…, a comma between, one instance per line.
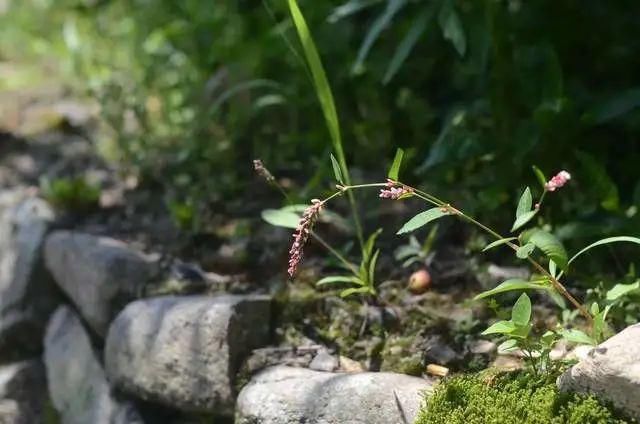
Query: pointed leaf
x=280, y=218
x=521, y=312
x=395, y=166
x=523, y=219
x=549, y=244
x=513, y=284
x=372, y=267
x=339, y=279
x=500, y=327
x=421, y=219
x=606, y=241
x=321, y=85
x=354, y=290
x=336, y=169
x=577, y=336
x=499, y=243
x=508, y=346
x=451, y=27
x=620, y=290
x=408, y=42
x=540, y=176
x=525, y=203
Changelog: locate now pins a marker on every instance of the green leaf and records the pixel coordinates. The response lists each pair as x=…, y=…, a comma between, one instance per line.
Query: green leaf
x=372, y=267
x=451, y=27
x=521, y=312
x=523, y=252
x=280, y=218
x=349, y=8
x=523, y=219
x=421, y=219
x=620, y=290
x=553, y=268
x=379, y=25
x=371, y=242
x=549, y=244
x=321, y=84
x=607, y=240
x=557, y=298
x=577, y=336
x=339, y=279
x=499, y=243
x=508, y=346
x=336, y=169
x=525, y=203
x=513, y=284
x=408, y=42
x=354, y=290
x=500, y=327
x=395, y=166
x=540, y=176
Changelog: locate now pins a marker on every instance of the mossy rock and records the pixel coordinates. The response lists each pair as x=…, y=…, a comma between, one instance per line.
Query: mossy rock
x=516, y=397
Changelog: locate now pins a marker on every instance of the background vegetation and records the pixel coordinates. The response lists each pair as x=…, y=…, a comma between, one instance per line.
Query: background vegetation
x=475, y=91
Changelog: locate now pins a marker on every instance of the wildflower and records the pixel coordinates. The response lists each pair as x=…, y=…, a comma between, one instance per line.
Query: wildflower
x=262, y=171
x=557, y=181
x=394, y=190
x=301, y=235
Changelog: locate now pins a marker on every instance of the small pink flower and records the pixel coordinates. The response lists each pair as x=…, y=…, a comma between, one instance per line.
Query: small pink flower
x=301, y=235
x=557, y=181
x=394, y=190
x=259, y=167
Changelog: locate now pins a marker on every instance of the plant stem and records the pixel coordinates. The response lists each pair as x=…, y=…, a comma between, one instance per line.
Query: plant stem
x=334, y=252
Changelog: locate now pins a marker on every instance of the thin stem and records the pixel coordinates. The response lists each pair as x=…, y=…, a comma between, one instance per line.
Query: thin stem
x=334, y=252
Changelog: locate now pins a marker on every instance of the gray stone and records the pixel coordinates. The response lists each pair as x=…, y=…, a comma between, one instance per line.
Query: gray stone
x=27, y=292
x=99, y=274
x=77, y=384
x=324, y=361
x=286, y=395
x=611, y=371
x=185, y=351
x=23, y=392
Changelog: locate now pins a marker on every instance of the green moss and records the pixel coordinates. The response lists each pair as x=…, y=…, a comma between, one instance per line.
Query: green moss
x=400, y=355
x=518, y=397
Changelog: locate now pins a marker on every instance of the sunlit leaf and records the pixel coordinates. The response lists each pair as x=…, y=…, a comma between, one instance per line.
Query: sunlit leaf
x=321, y=84
x=525, y=203
x=336, y=169
x=508, y=346
x=607, y=240
x=513, y=284
x=500, y=327
x=339, y=279
x=280, y=218
x=523, y=219
x=549, y=245
x=521, y=312
x=395, y=166
x=421, y=219
x=498, y=243
x=577, y=336
x=354, y=290
x=620, y=290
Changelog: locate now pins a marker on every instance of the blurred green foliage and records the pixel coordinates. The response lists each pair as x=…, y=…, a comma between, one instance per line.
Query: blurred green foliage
x=73, y=194
x=475, y=91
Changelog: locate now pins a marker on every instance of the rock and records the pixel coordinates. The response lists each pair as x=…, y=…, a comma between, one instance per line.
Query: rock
x=185, y=351
x=481, y=347
x=27, y=292
x=77, y=384
x=23, y=392
x=286, y=395
x=324, y=361
x=349, y=365
x=611, y=371
x=438, y=351
x=99, y=274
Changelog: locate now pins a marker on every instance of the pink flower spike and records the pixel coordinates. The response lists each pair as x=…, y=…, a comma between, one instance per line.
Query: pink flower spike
x=301, y=234
x=557, y=181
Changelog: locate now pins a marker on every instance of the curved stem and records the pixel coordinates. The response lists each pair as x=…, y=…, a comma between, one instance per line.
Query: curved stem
x=334, y=252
